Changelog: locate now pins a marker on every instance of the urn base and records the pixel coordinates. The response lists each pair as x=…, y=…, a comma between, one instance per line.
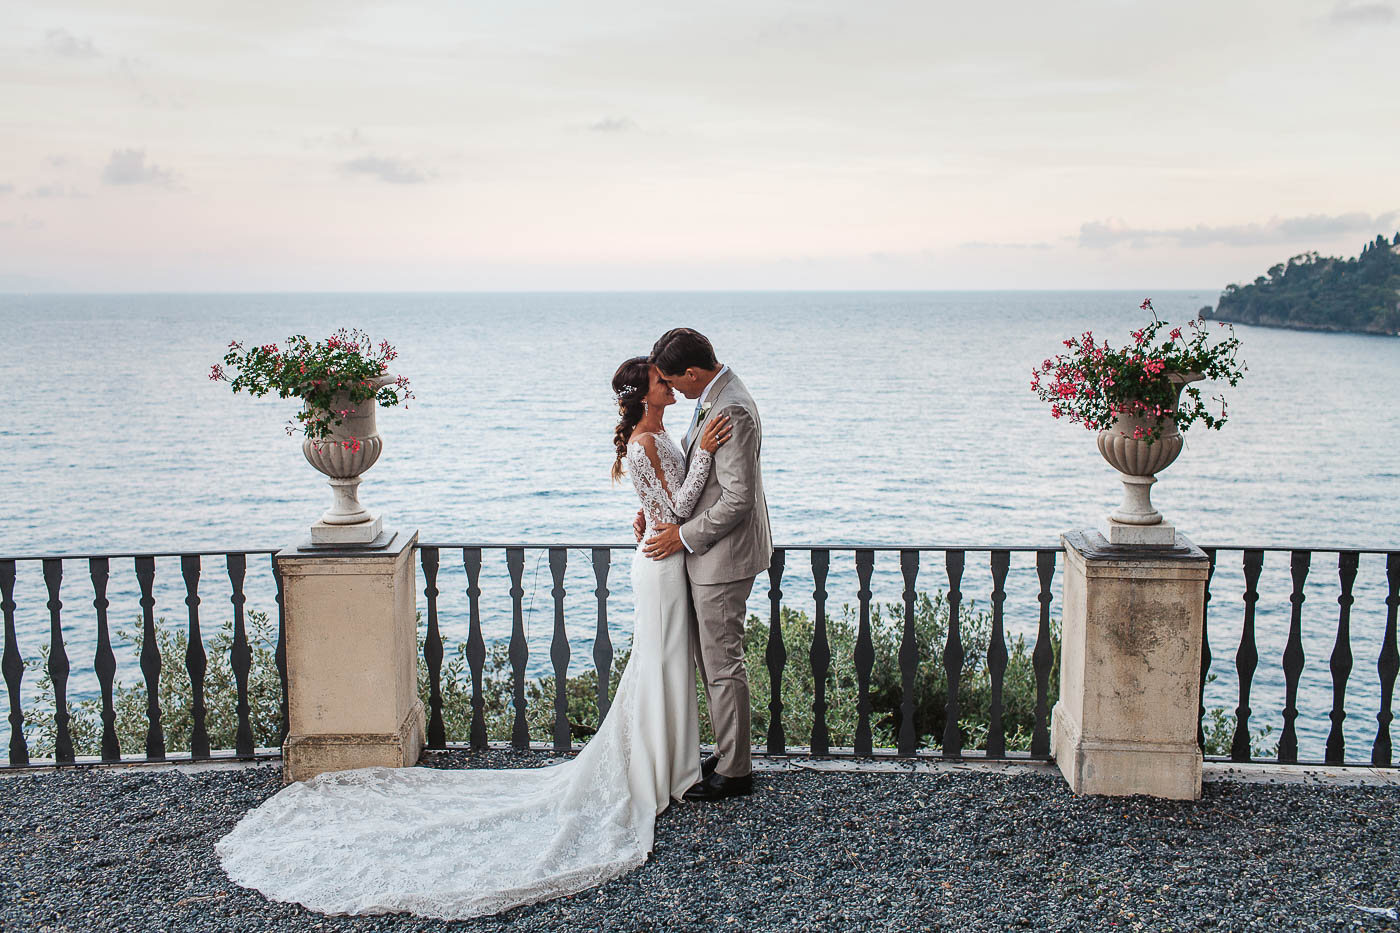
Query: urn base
x=359, y=533
x=1162, y=534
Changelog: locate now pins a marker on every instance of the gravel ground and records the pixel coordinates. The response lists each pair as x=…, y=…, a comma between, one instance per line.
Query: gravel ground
x=101, y=850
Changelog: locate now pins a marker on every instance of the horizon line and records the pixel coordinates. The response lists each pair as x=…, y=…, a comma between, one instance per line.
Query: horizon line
x=590, y=291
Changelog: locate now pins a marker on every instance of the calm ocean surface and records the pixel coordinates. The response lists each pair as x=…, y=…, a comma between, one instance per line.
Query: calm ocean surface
x=890, y=419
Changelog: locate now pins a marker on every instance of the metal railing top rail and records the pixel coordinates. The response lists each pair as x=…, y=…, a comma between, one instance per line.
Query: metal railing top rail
x=113, y=555
x=631, y=545
x=1018, y=548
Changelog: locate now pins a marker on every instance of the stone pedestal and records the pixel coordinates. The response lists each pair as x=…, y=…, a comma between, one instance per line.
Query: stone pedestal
x=1130, y=668
x=352, y=657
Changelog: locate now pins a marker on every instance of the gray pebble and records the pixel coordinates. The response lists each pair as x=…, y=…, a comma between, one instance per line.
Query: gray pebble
x=112, y=851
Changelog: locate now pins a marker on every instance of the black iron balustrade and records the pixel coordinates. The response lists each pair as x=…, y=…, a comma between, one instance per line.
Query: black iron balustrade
x=1301, y=561
x=100, y=573
x=1376, y=618
x=994, y=562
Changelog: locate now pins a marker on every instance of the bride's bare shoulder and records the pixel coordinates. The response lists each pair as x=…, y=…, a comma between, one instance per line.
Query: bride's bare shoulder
x=646, y=440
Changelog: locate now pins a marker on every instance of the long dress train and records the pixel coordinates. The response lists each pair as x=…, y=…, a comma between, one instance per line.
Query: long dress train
x=458, y=844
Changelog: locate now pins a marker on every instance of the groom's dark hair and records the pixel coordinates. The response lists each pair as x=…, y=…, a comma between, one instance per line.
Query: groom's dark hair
x=681, y=348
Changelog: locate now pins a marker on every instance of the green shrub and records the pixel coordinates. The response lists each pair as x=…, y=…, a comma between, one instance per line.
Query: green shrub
x=175, y=695
x=886, y=693
x=798, y=695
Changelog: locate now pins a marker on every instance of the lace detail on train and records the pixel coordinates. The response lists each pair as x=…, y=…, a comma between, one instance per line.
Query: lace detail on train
x=669, y=496
x=459, y=844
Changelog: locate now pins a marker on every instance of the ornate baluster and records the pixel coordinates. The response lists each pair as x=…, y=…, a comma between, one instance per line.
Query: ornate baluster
x=1205, y=652
x=996, y=655
x=240, y=654
x=1293, y=660
x=602, y=639
x=864, y=655
x=58, y=661
x=1247, y=657
x=519, y=653
x=821, y=654
x=1387, y=663
x=953, y=657
x=908, y=655
x=559, y=653
x=12, y=665
x=476, y=645
x=150, y=659
x=1043, y=656
x=104, y=662
x=280, y=656
x=432, y=648
x=776, y=656
x=1347, y=562
x=195, y=660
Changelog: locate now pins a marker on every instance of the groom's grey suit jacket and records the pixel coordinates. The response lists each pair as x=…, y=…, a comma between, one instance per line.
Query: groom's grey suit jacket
x=729, y=527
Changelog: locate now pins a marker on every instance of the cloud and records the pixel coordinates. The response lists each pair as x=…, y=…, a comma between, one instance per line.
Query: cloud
x=393, y=171
x=6, y=189
x=1361, y=14
x=1109, y=233
x=58, y=161
x=344, y=139
x=981, y=244
x=129, y=167
x=351, y=140
x=54, y=191
x=613, y=125
x=64, y=44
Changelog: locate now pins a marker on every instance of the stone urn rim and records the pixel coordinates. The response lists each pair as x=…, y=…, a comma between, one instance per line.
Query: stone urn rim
x=1177, y=379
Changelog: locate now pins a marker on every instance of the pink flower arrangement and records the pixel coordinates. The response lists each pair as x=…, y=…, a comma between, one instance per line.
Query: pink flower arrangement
x=346, y=362
x=1094, y=383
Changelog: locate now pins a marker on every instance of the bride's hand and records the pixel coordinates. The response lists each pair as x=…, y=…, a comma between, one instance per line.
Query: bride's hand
x=715, y=434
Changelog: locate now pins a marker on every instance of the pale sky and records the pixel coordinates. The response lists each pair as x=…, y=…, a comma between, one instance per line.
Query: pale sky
x=250, y=145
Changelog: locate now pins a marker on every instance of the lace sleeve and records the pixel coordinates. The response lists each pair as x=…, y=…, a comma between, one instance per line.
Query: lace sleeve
x=689, y=493
x=664, y=464
x=646, y=482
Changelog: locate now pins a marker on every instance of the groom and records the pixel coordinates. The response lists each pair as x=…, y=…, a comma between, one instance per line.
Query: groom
x=727, y=544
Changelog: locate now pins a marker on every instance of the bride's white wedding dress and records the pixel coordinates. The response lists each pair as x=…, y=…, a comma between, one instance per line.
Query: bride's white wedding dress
x=457, y=844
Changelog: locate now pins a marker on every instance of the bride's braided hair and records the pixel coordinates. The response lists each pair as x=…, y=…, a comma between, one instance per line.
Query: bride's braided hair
x=630, y=385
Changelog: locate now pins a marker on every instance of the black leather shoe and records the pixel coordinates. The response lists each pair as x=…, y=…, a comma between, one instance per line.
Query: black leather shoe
x=708, y=765
x=718, y=787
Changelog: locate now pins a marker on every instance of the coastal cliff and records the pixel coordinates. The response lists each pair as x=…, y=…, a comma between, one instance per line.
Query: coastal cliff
x=1312, y=292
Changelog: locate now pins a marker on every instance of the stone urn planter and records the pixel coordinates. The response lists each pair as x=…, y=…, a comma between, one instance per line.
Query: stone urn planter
x=313, y=372
x=1138, y=463
x=344, y=456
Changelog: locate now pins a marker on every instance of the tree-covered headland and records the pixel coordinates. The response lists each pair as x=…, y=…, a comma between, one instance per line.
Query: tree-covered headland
x=1313, y=292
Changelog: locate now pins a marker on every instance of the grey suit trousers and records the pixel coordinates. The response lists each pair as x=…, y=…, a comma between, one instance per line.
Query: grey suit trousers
x=717, y=634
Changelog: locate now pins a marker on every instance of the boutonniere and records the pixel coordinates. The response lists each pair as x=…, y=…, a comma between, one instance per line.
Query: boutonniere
x=703, y=412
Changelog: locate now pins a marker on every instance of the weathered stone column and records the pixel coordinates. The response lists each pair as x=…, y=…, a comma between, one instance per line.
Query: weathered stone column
x=1130, y=668
x=352, y=657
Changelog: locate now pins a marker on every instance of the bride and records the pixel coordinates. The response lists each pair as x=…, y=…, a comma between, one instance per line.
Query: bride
x=458, y=844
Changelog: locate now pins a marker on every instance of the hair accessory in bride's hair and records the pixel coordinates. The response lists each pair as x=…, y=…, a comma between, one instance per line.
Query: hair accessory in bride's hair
x=627, y=392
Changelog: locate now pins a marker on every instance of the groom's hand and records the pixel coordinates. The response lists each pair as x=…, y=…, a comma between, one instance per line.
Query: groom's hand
x=639, y=524
x=664, y=543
